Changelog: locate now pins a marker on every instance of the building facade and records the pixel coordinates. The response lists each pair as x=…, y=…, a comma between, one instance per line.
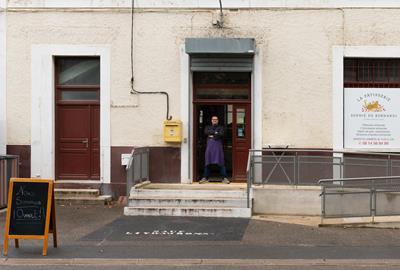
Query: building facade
x=277, y=73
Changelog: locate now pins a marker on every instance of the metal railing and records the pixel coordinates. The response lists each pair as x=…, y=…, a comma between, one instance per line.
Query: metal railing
x=307, y=166
x=9, y=167
x=360, y=197
x=137, y=169
x=249, y=179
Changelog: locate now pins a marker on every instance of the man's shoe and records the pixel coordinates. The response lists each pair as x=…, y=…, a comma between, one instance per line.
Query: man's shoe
x=226, y=181
x=203, y=180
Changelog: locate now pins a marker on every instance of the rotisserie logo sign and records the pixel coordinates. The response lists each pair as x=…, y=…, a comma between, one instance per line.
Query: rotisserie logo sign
x=370, y=118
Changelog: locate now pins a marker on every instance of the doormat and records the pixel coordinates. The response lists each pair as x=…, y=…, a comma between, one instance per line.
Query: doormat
x=149, y=228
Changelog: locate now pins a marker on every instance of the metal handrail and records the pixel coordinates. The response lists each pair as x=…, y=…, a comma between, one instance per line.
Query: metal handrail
x=371, y=189
x=9, y=167
x=291, y=164
x=249, y=182
x=322, y=151
x=357, y=179
x=135, y=173
x=129, y=165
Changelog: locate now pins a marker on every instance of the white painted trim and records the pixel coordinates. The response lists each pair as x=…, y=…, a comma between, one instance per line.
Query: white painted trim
x=204, y=4
x=372, y=51
x=185, y=118
x=3, y=85
x=257, y=101
x=337, y=98
x=191, y=120
x=339, y=53
x=43, y=116
x=187, y=109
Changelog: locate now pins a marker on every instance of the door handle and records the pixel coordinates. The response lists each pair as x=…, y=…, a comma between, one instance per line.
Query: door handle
x=86, y=142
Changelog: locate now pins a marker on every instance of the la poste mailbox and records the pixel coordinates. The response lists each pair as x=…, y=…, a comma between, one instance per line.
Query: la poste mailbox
x=172, y=131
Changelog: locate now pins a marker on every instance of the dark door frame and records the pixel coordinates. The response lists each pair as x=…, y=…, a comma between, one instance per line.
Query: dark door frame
x=234, y=141
x=195, y=102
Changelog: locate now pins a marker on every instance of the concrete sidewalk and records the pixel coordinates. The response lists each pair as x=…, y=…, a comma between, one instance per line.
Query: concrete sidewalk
x=100, y=232
x=384, y=222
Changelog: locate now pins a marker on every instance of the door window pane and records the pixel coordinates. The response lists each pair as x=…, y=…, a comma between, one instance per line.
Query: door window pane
x=79, y=95
x=222, y=93
x=228, y=126
x=240, y=123
x=222, y=85
x=78, y=71
x=237, y=78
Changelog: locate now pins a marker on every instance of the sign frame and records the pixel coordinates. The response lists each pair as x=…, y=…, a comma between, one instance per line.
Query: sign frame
x=50, y=221
x=370, y=117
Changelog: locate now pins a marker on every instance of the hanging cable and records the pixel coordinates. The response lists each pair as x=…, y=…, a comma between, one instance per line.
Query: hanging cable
x=133, y=90
x=221, y=16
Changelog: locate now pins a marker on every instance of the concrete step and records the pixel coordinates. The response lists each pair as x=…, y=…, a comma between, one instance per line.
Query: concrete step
x=80, y=196
x=60, y=193
x=191, y=193
x=188, y=211
x=99, y=200
x=156, y=201
x=207, y=200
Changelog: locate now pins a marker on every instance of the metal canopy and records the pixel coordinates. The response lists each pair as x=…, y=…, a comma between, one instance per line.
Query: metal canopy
x=220, y=46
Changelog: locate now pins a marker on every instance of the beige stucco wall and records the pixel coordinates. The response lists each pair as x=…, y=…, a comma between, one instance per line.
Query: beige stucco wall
x=296, y=75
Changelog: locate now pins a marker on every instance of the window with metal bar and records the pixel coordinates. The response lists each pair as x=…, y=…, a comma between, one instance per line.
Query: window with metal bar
x=371, y=73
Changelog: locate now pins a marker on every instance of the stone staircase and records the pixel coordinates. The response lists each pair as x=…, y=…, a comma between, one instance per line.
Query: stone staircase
x=208, y=200
x=80, y=196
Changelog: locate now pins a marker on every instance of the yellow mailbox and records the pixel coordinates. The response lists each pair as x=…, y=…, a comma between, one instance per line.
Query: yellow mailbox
x=172, y=131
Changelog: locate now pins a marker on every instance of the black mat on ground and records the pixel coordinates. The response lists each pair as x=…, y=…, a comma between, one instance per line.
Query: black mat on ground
x=148, y=228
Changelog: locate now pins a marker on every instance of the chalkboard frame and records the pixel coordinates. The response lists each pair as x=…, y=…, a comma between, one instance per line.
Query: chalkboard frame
x=50, y=222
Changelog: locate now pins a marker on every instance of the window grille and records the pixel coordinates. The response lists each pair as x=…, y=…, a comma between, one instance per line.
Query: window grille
x=371, y=73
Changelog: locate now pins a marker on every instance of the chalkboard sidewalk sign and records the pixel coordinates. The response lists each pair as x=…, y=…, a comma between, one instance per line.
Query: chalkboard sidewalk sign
x=30, y=212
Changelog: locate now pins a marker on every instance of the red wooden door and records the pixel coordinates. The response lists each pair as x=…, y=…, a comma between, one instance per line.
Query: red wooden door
x=95, y=142
x=241, y=140
x=77, y=118
x=77, y=153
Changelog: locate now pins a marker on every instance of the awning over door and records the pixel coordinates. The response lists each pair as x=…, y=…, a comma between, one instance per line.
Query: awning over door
x=218, y=54
x=219, y=45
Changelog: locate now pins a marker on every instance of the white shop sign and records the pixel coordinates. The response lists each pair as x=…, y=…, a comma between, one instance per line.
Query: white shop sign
x=371, y=118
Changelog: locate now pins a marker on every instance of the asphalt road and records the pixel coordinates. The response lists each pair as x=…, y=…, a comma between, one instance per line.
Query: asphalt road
x=94, y=233
x=266, y=264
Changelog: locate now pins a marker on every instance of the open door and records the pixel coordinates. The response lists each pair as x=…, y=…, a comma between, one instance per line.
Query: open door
x=235, y=118
x=204, y=114
x=228, y=96
x=241, y=140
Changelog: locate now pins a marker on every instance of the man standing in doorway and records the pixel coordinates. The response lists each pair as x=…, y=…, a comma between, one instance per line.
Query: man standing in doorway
x=214, y=151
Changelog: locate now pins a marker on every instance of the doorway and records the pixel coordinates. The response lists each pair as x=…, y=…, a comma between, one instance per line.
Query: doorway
x=77, y=117
x=226, y=95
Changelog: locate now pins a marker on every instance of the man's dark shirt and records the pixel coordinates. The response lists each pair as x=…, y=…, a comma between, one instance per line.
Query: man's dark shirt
x=216, y=132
